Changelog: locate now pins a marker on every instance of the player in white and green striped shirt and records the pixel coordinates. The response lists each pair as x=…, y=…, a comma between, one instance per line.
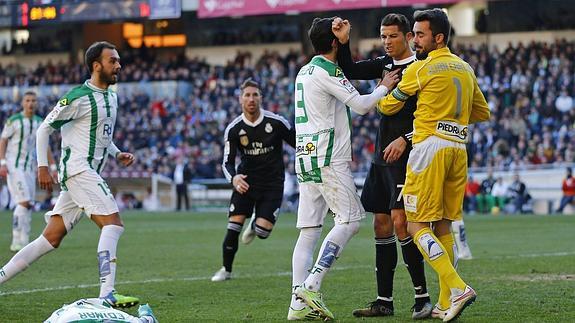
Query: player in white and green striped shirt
x=18, y=165
x=323, y=99
x=86, y=117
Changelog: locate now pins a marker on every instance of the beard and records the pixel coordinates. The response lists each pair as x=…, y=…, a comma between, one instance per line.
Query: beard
x=109, y=78
x=421, y=55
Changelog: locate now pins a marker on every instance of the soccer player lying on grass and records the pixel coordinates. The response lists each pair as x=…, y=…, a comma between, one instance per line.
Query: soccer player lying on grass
x=95, y=310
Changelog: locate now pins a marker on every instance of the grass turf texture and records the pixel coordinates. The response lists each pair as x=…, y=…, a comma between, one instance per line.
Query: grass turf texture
x=523, y=271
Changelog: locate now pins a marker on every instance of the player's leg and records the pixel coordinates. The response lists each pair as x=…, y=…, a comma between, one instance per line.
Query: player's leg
x=428, y=169
x=267, y=208
x=463, y=250
x=455, y=182
x=55, y=230
x=338, y=189
x=20, y=193
x=412, y=258
x=91, y=193
x=267, y=212
x=312, y=210
x=240, y=206
x=376, y=197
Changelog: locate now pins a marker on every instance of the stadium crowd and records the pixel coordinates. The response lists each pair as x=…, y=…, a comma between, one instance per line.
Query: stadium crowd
x=529, y=89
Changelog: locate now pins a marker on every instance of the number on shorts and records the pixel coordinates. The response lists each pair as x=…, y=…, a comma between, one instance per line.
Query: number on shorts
x=400, y=196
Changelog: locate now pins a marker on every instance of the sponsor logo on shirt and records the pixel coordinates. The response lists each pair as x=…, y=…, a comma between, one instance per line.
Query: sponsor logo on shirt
x=452, y=129
x=410, y=202
x=305, y=150
x=347, y=85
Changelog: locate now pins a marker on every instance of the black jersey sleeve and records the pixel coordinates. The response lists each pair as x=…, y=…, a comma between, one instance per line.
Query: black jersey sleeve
x=361, y=70
x=408, y=137
x=289, y=135
x=230, y=151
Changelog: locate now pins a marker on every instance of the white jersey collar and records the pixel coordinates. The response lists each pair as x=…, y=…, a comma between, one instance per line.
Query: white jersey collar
x=405, y=60
x=93, y=87
x=255, y=123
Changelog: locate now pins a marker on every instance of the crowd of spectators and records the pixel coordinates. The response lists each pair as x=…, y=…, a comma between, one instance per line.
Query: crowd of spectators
x=529, y=89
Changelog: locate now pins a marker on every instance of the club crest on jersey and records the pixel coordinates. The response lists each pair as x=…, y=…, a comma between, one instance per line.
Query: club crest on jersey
x=269, y=128
x=244, y=141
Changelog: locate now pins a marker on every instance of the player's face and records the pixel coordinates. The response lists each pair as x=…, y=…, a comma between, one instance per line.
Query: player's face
x=250, y=100
x=29, y=104
x=394, y=41
x=109, y=66
x=424, y=41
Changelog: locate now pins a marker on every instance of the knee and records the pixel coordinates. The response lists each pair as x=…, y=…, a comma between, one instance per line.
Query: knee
x=382, y=225
x=400, y=226
x=262, y=232
x=54, y=239
x=352, y=227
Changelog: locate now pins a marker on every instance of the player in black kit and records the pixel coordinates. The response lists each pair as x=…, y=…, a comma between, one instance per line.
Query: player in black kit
x=382, y=191
x=259, y=180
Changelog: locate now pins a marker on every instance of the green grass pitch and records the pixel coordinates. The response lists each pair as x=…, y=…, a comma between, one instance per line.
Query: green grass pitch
x=523, y=271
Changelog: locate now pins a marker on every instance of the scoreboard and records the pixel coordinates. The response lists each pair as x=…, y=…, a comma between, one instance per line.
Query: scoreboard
x=23, y=13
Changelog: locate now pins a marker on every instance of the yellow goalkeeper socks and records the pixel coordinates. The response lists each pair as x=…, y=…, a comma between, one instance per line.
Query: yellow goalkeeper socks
x=436, y=255
x=444, y=292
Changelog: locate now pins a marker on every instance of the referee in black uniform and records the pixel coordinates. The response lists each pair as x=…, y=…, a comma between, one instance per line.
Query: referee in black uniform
x=382, y=191
x=259, y=179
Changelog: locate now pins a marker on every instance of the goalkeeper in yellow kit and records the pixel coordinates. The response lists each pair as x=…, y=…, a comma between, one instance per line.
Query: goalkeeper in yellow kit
x=449, y=99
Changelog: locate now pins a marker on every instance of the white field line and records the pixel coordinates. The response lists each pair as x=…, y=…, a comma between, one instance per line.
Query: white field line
x=276, y=274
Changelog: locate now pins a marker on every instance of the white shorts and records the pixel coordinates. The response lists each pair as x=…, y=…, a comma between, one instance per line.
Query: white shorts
x=336, y=193
x=86, y=192
x=22, y=185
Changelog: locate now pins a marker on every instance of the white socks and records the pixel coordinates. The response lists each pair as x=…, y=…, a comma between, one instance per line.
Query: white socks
x=107, y=257
x=21, y=225
x=302, y=259
x=331, y=248
x=25, y=258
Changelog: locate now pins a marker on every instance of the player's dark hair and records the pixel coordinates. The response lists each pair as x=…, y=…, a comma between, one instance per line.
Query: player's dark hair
x=29, y=93
x=249, y=83
x=399, y=20
x=438, y=22
x=94, y=53
x=321, y=35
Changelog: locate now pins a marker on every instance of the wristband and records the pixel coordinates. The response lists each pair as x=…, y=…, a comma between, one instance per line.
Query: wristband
x=3, y=162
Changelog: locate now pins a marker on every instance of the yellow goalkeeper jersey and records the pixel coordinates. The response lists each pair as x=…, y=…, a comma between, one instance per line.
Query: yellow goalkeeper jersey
x=448, y=97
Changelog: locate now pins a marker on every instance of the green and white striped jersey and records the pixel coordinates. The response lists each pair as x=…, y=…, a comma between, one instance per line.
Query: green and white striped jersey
x=21, y=134
x=322, y=120
x=86, y=116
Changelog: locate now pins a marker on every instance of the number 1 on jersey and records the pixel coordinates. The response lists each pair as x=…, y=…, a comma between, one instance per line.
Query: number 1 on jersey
x=457, y=84
x=300, y=112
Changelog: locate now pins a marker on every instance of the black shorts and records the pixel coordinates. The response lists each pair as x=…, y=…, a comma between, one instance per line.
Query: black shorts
x=266, y=202
x=382, y=189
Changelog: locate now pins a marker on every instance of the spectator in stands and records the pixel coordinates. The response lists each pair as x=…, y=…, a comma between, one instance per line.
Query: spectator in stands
x=568, y=188
x=564, y=102
x=518, y=195
x=499, y=193
x=182, y=176
x=472, y=190
x=485, y=200
x=150, y=202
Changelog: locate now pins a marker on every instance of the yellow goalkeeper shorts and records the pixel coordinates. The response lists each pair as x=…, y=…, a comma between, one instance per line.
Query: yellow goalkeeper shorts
x=435, y=180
